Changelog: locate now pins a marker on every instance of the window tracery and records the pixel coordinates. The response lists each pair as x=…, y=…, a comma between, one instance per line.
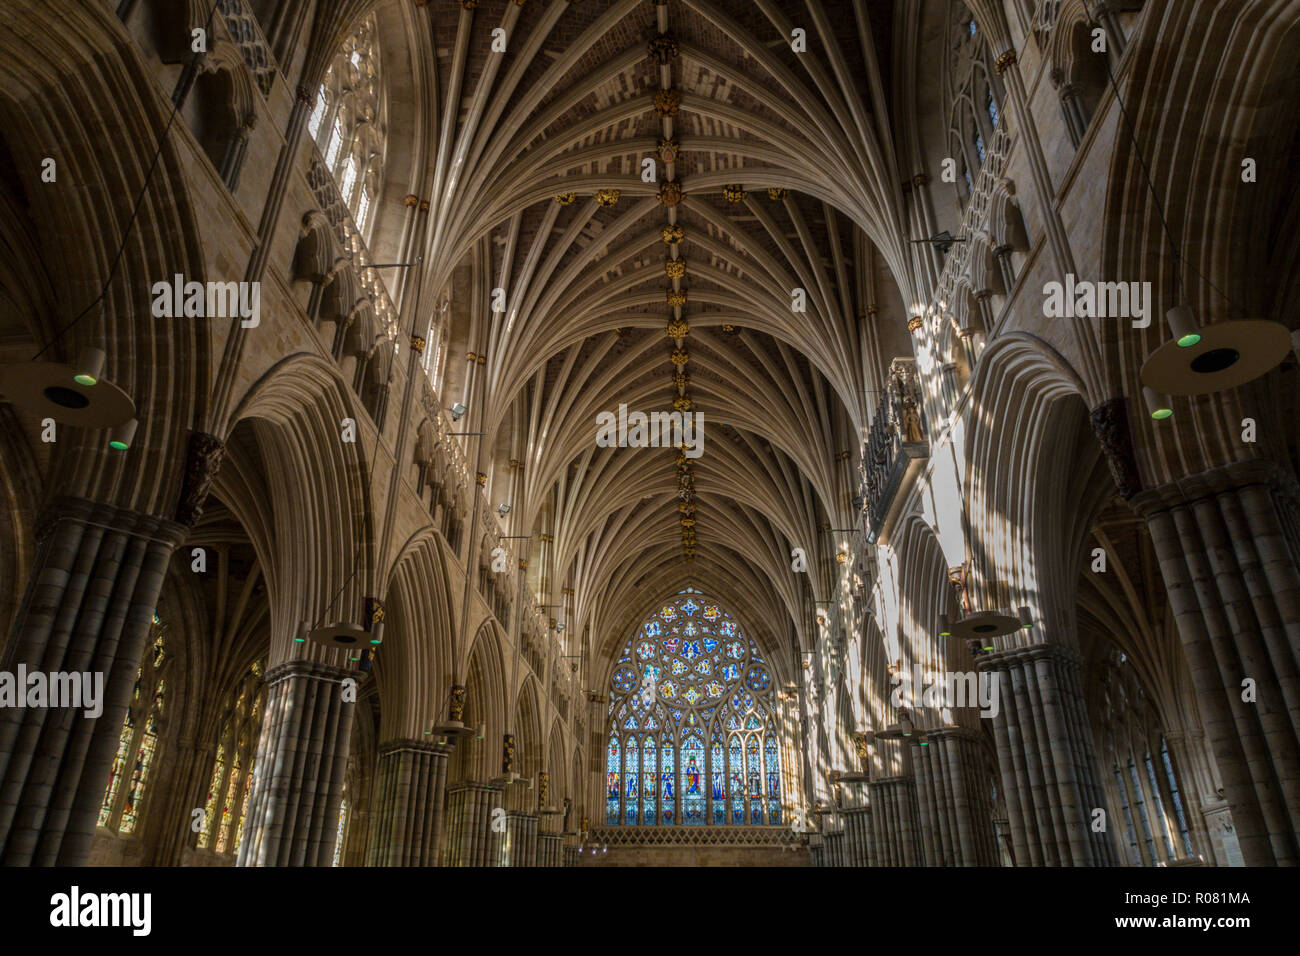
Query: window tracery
x=1144, y=786
x=131, y=772
x=231, y=782
x=693, y=732
x=973, y=92
x=349, y=122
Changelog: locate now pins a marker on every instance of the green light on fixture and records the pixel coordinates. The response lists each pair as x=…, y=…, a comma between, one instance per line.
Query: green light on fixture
x=1190, y=339
x=120, y=438
x=1160, y=414
x=86, y=380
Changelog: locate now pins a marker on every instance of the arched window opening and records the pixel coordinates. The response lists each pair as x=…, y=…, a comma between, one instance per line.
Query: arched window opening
x=690, y=675
x=131, y=772
x=1145, y=789
x=973, y=93
x=349, y=123
x=231, y=783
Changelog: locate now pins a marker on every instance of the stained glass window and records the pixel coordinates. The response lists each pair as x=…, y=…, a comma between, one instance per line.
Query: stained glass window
x=351, y=107
x=233, y=770
x=613, y=786
x=692, y=736
x=342, y=828
x=131, y=772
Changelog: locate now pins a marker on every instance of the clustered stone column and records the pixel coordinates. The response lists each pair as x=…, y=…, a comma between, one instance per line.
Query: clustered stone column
x=834, y=843
x=953, y=799
x=550, y=849
x=88, y=606
x=519, y=843
x=302, y=758
x=471, y=841
x=1047, y=759
x=817, y=849
x=893, y=819
x=409, y=796
x=1229, y=550
x=857, y=836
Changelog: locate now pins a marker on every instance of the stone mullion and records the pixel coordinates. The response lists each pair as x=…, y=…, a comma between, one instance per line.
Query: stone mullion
x=106, y=586
x=223, y=785
x=1168, y=812
x=119, y=798
x=384, y=791
x=1185, y=765
x=708, y=782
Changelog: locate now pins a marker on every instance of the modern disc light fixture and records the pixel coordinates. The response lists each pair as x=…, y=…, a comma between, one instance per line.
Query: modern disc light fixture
x=1198, y=359
x=983, y=626
x=76, y=394
x=1213, y=358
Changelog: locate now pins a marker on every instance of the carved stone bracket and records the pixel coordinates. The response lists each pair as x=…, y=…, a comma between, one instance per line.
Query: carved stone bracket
x=202, y=459
x=1110, y=423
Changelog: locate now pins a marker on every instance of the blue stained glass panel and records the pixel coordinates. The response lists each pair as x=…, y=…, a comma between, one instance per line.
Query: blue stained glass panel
x=667, y=784
x=735, y=779
x=649, y=781
x=669, y=766
x=719, y=768
x=773, y=780
x=693, y=780
x=613, y=787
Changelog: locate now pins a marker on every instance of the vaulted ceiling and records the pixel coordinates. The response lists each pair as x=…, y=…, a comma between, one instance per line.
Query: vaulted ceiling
x=521, y=145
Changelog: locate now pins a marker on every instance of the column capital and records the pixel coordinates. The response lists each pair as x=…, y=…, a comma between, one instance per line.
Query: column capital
x=1216, y=481
x=123, y=520
x=400, y=744
x=312, y=670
